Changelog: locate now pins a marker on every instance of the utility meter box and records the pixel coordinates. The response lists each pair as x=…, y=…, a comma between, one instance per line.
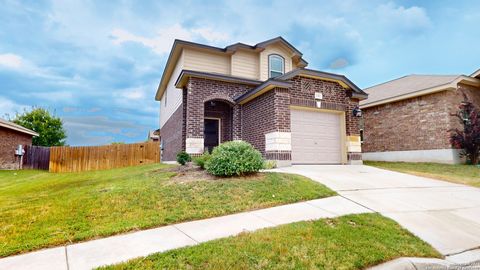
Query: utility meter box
x=19, y=151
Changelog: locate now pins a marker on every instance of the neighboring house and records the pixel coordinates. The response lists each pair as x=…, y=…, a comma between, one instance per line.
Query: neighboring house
x=153, y=135
x=408, y=119
x=262, y=94
x=12, y=135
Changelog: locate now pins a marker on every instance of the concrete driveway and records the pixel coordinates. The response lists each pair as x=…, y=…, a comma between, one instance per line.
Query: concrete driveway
x=444, y=214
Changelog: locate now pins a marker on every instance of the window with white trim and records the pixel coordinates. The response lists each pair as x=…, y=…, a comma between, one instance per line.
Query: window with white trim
x=276, y=65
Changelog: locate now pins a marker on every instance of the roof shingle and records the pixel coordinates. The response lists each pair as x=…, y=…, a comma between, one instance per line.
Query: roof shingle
x=405, y=85
x=7, y=124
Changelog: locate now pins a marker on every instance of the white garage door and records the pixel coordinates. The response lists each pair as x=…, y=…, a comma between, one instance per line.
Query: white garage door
x=316, y=137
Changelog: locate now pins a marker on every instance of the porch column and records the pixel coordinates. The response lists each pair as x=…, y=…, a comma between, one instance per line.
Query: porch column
x=278, y=142
x=354, y=145
x=194, y=143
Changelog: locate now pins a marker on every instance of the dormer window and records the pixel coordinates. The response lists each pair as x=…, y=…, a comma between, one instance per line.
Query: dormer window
x=276, y=65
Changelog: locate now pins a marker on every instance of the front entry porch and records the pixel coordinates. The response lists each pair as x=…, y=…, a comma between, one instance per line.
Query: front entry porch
x=217, y=123
x=216, y=127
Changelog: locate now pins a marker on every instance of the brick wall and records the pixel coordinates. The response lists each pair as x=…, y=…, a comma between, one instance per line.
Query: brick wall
x=335, y=97
x=267, y=113
x=419, y=123
x=173, y=139
x=473, y=93
x=258, y=119
x=9, y=140
x=412, y=124
x=202, y=90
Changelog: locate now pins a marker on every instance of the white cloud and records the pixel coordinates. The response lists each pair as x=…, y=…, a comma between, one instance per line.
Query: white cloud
x=411, y=19
x=162, y=42
x=10, y=60
x=64, y=96
x=9, y=108
x=19, y=64
x=137, y=99
x=133, y=94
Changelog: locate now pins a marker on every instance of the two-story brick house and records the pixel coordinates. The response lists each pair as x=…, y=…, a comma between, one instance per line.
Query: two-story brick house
x=262, y=94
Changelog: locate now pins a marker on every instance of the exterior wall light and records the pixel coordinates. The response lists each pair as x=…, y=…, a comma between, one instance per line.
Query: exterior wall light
x=357, y=112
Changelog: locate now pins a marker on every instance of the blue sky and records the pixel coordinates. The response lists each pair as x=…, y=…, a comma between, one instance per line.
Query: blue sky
x=97, y=64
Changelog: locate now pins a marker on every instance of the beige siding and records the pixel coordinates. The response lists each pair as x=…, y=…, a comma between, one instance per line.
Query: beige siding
x=172, y=94
x=274, y=49
x=245, y=64
x=206, y=61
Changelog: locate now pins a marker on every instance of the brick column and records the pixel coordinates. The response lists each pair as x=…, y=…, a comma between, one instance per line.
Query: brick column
x=278, y=143
x=194, y=110
x=354, y=146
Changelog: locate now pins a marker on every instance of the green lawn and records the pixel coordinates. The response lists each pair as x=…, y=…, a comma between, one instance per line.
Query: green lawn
x=348, y=242
x=40, y=209
x=461, y=174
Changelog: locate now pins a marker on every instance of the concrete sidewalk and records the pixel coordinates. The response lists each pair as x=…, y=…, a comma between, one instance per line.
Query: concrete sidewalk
x=445, y=215
x=115, y=249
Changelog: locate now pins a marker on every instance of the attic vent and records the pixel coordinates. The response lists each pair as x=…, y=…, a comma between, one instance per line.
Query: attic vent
x=306, y=86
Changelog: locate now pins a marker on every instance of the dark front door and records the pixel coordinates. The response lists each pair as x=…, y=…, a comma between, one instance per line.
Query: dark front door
x=211, y=133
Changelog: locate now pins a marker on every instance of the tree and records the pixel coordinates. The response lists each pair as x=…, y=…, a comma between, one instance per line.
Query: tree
x=48, y=126
x=468, y=139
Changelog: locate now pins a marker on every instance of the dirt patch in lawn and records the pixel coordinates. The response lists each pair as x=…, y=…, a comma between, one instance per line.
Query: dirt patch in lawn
x=190, y=173
x=193, y=173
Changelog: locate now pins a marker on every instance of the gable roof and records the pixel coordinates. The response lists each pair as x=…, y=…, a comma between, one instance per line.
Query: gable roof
x=411, y=86
x=476, y=74
x=283, y=82
x=264, y=87
x=7, y=124
x=178, y=45
x=341, y=79
x=280, y=39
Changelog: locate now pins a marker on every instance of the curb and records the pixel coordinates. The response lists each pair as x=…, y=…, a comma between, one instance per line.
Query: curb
x=407, y=263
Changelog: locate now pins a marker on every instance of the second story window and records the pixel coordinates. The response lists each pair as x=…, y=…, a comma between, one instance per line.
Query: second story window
x=276, y=65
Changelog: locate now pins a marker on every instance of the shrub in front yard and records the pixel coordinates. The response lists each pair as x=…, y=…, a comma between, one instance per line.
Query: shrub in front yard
x=183, y=158
x=468, y=139
x=234, y=158
x=202, y=160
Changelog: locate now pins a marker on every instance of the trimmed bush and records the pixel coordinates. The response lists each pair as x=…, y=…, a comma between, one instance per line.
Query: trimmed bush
x=183, y=158
x=234, y=158
x=202, y=160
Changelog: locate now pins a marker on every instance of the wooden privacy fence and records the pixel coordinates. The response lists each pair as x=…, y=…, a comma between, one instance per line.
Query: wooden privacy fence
x=36, y=157
x=77, y=159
